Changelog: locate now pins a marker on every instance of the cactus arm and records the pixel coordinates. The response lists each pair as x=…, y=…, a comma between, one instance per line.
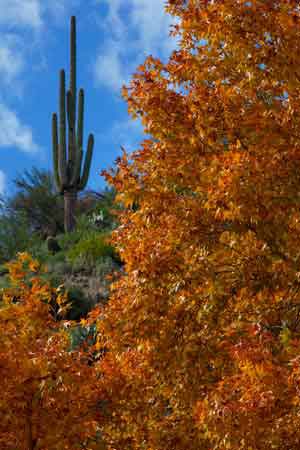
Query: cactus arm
x=55, y=153
x=62, y=130
x=87, y=163
x=72, y=101
x=73, y=60
x=80, y=118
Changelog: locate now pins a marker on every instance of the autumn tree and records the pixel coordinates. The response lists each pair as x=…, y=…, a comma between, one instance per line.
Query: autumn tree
x=203, y=329
x=50, y=399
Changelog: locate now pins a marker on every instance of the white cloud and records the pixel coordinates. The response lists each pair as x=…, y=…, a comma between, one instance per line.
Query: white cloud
x=11, y=58
x=125, y=133
x=113, y=19
x=21, y=13
x=22, y=30
x=2, y=182
x=152, y=23
x=22, y=25
x=58, y=9
x=32, y=13
x=108, y=67
x=139, y=29
x=13, y=133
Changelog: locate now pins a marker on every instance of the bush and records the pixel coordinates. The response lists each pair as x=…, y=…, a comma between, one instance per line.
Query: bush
x=68, y=240
x=36, y=198
x=101, y=218
x=14, y=236
x=3, y=270
x=91, y=248
x=58, y=266
x=104, y=266
x=83, y=227
x=80, y=334
x=39, y=251
x=102, y=215
x=80, y=305
x=4, y=284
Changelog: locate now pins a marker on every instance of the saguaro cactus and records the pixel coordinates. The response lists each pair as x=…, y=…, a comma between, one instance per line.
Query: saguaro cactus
x=68, y=176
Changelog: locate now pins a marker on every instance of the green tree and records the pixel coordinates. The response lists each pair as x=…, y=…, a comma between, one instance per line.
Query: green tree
x=37, y=200
x=15, y=234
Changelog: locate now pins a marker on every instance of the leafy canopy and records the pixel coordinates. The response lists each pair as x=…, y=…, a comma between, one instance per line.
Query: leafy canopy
x=50, y=395
x=202, y=331
x=204, y=328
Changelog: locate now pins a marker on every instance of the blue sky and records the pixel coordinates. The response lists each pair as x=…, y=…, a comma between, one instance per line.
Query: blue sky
x=113, y=38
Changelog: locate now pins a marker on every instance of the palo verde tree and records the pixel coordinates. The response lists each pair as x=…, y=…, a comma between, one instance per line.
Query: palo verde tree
x=67, y=165
x=36, y=199
x=203, y=328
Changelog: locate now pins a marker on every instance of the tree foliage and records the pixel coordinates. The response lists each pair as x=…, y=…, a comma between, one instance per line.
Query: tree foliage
x=14, y=234
x=36, y=199
x=203, y=330
x=49, y=394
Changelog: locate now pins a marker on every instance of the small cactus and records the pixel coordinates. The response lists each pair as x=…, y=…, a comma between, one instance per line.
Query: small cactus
x=52, y=245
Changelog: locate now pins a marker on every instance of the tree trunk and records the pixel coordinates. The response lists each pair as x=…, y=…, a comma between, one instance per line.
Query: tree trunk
x=30, y=444
x=30, y=440
x=70, y=200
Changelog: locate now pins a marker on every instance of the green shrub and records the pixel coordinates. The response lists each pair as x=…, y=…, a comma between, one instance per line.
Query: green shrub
x=68, y=240
x=3, y=270
x=37, y=199
x=101, y=218
x=105, y=208
x=83, y=225
x=4, y=283
x=39, y=251
x=91, y=248
x=83, y=228
x=53, y=279
x=104, y=266
x=79, y=334
x=52, y=245
x=80, y=304
x=57, y=258
x=59, y=267
x=79, y=265
x=14, y=236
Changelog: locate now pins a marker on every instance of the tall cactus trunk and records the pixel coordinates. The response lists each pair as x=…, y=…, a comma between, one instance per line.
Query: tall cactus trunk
x=70, y=201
